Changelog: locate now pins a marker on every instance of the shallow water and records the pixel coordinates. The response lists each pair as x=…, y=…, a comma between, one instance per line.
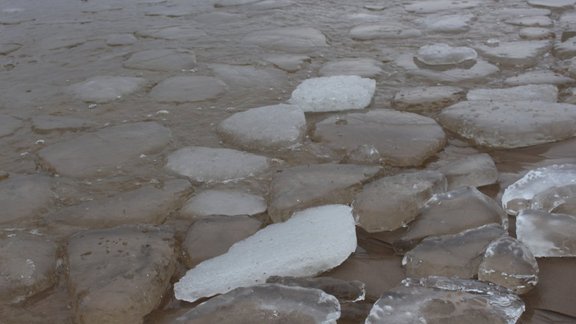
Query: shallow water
x=63, y=42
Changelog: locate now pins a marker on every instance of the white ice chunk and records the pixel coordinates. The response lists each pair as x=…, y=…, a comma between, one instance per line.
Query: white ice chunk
x=334, y=93
x=312, y=241
x=518, y=196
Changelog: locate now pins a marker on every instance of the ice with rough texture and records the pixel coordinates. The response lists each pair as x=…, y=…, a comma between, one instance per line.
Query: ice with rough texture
x=451, y=213
x=181, y=89
x=364, y=67
x=364, y=154
x=517, y=54
x=183, y=33
x=433, y=6
x=426, y=99
x=175, y=11
x=212, y=236
x=379, y=272
x=316, y=184
x=547, y=234
x=344, y=290
x=27, y=266
x=531, y=92
x=119, y=275
x=103, y=89
x=445, y=300
x=391, y=202
x=566, y=49
x=172, y=60
x=206, y=164
x=8, y=125
x=474, y=170
x=272, y=4
x=288, y=62
x=61, y=41
x=538, y=77
x=334, y=93
x=24, y=196
x=313, y=241
x=445, y=56
x=230, y=3
x=531, y=21
x=453, y=255
x=265, y=128
x=510, y=124
x=46, y=124
x=478, y=71
x=249, y=77
x=520, y=194
x=381, y=31
x=121, y=39
x=288, y=39
x=223, y=202
x=401, y=138
x=568, y=207
x=269, y=303
x=559, y=199
x=522, y=12
x=145, y=205
x=570, y=95
x=509, y=263
x=447, y=23
x=105, y=150
x=536, y=33
x=218, y=17
x=553, y=4
x=7, y=48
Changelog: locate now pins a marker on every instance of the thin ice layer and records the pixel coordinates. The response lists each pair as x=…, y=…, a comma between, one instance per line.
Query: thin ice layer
x=520, y=194
x=546, y=234
x=454, y=255
x=269, y=303
x=312, y=241
x=444, y=300
x=509, y=263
